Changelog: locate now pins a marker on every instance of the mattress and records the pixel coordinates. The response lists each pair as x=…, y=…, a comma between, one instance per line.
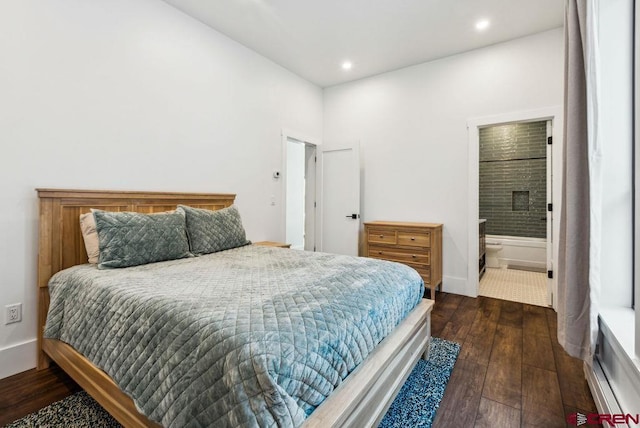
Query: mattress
x=252, y=336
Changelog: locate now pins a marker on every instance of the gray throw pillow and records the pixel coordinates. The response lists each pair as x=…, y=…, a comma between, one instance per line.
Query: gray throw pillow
x=131, y=239
x=212, y=231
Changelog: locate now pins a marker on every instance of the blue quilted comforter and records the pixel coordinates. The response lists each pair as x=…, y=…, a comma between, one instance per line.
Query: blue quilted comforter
x=253, y=336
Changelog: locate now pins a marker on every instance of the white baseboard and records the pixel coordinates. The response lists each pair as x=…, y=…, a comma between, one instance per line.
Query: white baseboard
x=600, y=390
x=18, y=358
x=455, y=285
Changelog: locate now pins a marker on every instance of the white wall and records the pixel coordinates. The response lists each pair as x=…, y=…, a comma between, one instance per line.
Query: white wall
x=131, y=95
x=411, y=124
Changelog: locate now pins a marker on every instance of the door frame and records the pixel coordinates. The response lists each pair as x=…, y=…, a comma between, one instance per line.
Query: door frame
x=554, y=114
x=287, y=134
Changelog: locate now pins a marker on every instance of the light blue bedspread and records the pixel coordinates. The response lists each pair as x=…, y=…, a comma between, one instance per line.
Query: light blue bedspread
x=253, y=336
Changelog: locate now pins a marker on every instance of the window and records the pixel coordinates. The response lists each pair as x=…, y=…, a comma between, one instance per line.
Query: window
x=636, y=169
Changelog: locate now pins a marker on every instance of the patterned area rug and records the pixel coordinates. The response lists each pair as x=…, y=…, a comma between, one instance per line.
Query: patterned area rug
x=419, y=398
x=415, y=405
x=76, y=411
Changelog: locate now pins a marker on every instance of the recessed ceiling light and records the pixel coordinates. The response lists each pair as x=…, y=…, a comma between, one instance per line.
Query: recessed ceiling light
x=482, y=25
x=347, y=65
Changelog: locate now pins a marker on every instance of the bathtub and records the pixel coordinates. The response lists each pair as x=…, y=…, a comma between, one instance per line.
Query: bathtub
x=521, y=252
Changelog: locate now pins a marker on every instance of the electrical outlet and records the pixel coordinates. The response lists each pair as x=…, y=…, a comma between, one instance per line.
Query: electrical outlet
x=13, y=313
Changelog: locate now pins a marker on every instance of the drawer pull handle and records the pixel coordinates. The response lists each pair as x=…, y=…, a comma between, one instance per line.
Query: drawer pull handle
x=413, y=239
x=381, y=236
x=413, y=255
x=379, y=252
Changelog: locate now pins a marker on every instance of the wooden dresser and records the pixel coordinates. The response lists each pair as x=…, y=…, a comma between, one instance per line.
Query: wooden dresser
x=418, y=245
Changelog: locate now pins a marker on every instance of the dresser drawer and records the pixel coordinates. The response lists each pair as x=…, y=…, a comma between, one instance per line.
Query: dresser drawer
x=424, y=271
x=381, y=236
x=401, y=255
x=414, y=239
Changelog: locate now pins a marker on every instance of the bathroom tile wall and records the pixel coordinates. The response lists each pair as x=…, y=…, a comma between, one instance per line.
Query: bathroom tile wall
x=513, y=179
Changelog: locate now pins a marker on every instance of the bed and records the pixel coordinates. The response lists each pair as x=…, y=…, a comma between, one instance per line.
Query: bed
x=360, y=400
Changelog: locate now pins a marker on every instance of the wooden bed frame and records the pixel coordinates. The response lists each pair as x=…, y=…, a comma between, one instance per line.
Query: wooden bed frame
x=361, y=400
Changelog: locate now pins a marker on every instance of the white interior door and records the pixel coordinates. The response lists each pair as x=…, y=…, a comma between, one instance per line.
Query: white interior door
x=339, y=198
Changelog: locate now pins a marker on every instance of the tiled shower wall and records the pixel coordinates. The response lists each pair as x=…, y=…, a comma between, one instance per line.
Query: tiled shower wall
x=513, y=179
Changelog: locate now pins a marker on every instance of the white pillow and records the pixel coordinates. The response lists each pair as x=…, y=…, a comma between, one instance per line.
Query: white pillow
x=90, y=236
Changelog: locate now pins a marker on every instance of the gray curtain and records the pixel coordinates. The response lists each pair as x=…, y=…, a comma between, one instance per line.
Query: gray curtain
x=574, y=304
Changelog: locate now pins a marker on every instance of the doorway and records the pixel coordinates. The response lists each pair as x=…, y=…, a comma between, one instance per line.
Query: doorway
x=514, y=196
x=321, y=187
x=517, y=202
x=300, y=193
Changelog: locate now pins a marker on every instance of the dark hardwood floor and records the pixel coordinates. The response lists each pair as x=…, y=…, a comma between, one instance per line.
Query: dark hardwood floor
x=31, y=390
x=511, y=372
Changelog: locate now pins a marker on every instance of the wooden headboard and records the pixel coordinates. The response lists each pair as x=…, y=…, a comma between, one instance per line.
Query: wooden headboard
x=60, y=239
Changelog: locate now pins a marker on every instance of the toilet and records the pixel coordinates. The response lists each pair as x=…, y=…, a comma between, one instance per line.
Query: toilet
x=493, y=249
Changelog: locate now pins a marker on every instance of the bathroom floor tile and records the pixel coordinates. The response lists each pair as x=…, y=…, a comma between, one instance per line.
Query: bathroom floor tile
x=515, y=285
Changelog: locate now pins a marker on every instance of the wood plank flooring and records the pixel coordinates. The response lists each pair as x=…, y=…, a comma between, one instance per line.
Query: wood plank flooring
x=31, y=390
x=511, y=372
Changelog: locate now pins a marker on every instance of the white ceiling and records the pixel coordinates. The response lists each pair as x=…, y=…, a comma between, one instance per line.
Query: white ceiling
x=312, y=38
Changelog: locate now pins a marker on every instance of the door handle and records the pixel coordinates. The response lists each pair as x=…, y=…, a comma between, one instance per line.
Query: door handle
x=353, y=216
